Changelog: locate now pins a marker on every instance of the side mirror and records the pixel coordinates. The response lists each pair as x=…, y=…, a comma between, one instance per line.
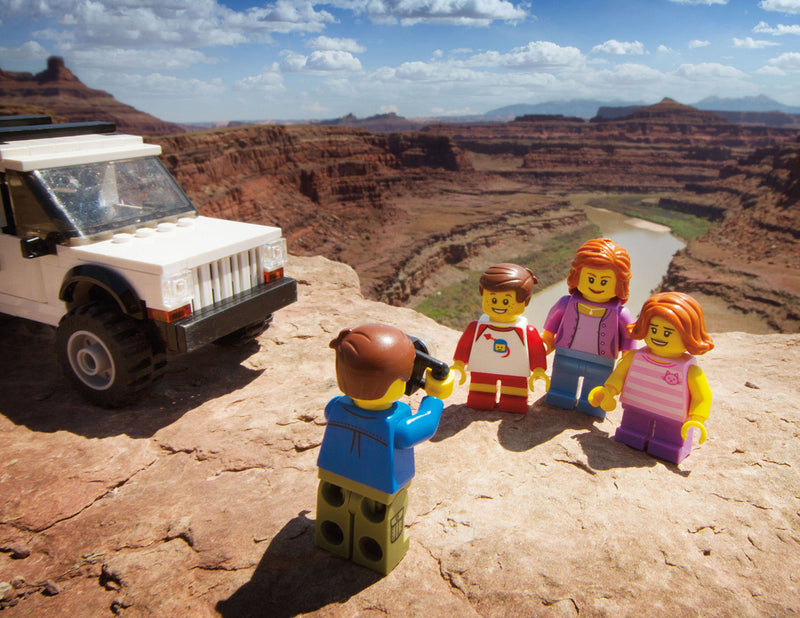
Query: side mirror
x=35, y=246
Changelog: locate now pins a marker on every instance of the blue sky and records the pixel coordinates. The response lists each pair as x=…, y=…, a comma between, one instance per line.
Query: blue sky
x=214, y=60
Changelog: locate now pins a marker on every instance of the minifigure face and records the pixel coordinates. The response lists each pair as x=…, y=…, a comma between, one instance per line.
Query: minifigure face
x=502, y=306
x=663, y=339
x=597, y=284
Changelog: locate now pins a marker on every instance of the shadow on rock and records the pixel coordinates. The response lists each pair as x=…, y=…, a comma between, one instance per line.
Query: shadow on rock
x=36, y=393
x=296, y=577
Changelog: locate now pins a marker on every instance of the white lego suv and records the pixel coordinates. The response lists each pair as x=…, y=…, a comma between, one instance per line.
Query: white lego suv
x=100, y=241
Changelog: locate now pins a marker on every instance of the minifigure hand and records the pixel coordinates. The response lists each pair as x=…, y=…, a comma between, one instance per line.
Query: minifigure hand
x=694, y=423
x=459, y=366
x=539, y=374
x=601, y=396
x=439, y=388
x=548, y=339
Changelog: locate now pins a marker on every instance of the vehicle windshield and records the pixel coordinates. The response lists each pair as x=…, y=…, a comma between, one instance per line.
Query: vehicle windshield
x=99, y=197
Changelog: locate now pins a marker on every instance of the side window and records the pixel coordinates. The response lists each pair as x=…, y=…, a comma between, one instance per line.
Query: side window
x=29, y=217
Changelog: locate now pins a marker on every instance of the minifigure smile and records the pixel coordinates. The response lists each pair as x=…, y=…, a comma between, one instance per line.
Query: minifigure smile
x=593, y=291
x=497, y=310
x=658, y=342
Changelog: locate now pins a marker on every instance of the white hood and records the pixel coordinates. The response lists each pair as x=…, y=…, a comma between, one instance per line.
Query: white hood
x=173, y=247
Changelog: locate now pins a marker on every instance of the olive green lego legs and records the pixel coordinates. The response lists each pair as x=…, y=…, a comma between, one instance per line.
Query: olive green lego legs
x=368, y=531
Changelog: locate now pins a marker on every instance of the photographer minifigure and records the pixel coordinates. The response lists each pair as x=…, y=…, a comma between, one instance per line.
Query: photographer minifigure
x=366, y=459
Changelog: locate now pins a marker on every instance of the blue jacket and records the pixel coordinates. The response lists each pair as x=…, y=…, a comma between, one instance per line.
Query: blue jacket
x=376, y=447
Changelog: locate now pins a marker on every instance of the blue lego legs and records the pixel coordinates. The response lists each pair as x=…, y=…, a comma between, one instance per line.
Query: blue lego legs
x=568, y=367
x=661, y=437
x=368, y=531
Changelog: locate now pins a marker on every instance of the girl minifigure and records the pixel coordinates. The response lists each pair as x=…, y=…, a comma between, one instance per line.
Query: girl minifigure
x=663, y=392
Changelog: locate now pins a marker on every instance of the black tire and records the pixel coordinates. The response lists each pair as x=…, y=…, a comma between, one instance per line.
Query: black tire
x=244, y=334
x=111, y=358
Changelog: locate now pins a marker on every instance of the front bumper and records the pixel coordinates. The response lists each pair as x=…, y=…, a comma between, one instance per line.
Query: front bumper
x=239, y=311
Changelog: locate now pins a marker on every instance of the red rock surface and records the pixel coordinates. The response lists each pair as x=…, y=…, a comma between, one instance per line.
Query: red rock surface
x=200, y=500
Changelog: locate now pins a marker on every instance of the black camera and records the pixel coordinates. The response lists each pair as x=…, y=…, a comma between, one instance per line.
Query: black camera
x=423, y=361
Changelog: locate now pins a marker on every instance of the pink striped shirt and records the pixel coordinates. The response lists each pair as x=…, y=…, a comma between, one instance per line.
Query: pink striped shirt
x=658, y=384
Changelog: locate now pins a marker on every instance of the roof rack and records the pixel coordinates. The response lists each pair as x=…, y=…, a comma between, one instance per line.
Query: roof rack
x=39, y=131
x=24, y=121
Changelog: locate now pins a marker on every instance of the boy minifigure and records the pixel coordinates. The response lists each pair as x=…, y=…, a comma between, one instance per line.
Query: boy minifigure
x=366, y=459
x=589, y=327
x=501, y=346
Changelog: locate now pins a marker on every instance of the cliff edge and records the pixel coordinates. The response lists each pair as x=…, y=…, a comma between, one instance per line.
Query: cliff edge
x=200, y=501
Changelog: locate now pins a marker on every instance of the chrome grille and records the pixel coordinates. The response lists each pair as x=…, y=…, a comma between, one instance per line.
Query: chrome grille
x=221, y=279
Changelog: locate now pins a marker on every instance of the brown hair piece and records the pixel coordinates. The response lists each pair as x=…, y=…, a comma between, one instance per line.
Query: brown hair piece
x=509, y=277
x=370, y=358
x=602, y=253
x=683, y=312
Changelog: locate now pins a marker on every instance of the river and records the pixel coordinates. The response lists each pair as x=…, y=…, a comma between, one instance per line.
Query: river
x=651, y=247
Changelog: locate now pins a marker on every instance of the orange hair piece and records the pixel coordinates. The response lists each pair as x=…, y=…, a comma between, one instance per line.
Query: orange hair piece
x=602, y=253
x=683, y=312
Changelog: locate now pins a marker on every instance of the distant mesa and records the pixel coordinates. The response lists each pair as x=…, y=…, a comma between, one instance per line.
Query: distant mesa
x=57, y=92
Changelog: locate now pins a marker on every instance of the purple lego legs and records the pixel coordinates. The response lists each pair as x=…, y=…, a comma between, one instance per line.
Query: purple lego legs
x=661, y=436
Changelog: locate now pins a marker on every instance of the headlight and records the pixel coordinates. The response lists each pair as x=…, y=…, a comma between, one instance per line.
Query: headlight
x=176, y=290
x=273, y=259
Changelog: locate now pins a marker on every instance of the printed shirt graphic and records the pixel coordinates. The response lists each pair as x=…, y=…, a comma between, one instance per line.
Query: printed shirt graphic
x=658, y=385
x=500, y=348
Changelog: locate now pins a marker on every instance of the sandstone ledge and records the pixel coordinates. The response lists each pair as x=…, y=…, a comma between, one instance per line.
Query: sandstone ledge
x=201, y=499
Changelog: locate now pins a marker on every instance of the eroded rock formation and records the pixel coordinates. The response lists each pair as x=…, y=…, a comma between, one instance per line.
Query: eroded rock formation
x=57, y=92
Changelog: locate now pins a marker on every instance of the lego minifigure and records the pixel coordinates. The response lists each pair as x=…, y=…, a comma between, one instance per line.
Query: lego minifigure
x=588, y=328
x=366, y=459
x=501, y=346
x=664, y=393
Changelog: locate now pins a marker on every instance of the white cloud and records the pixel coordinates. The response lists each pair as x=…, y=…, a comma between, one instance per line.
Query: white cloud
x=185, y=23
x=323, y=61
x=663, y=49
x=324, y=43
x=620, y=48
x=535, y=55
x=781, y=6
x=453, y=12
x=269, y=80
x=751, y=43
x=27, y=51
x=696, y=44
x=764, y=28
x=708, y=71
x=786, y=63
x=158, y=85
x=153, y=59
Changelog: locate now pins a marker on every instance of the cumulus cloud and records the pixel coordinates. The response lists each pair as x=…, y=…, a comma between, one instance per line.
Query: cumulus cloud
x=158, y=85
x=323, y=61
x=764, y=28
x=786, y=63
x=453, y=12
x=620, y=48
x=535, y=55
x=186, y=23
x=324, y=43
x=707, y=71
x=751, y=43
x=663, y=49
x=697, y=43
x=27, y=51
x=781, y=6
x=269, y=80
x=153, y=59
